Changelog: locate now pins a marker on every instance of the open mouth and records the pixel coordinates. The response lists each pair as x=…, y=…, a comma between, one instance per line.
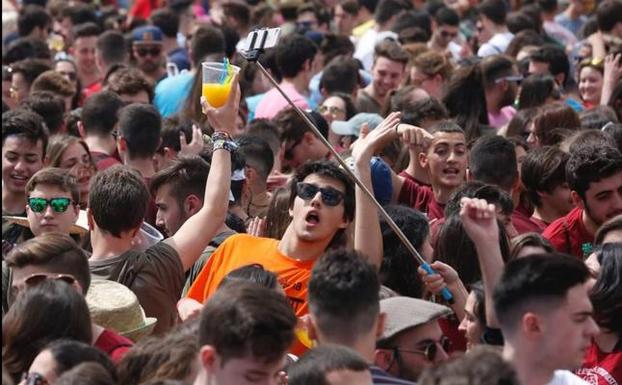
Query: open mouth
x=312, y=218
x=451, y=171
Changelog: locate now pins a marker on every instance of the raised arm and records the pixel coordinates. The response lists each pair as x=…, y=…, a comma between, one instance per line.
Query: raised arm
x=195, y=234
x=480, y=223
x=367, y=235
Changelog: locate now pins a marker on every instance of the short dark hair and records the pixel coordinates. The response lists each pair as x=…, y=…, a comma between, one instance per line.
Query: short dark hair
x=79, y=13
x=244, y=320
x=49, y=106
x=422, y=110
x=253, y=273
x=556, y=59
x=606, y=295
x=493, y=160
x=399, y=269
x=166, y=20
x=392, y=50
x=529, y=239
x=590, y=164
x=25, y=124
x=30, y=69
x=343, y=295
x=187, y=175
x=118, y=199
x=130, y=81
x=495, y=10
x=57, y=177
x=172, y=128
x=386, y=9
x=446, y=16
x=340, y=75
x=535, y=278
x=292, y=53
x=330, y=170
x=608, y=14
x=58, y=252
x=256, y=153
x=112, y=48
x=476, y=189
x=334, y=45
x=68, y=354
x=140, y=126
x=413, y=26
x=206, y=41
x=100, y=113
x=313, y=367
x=240, y=11
x=536, y=89
x=24, y=48
x=543, y=169
x=55, y=82
x=483, y=365
x=31, y=17
x=87, y=29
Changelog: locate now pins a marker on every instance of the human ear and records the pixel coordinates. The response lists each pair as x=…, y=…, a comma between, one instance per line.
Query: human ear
x=577, y=200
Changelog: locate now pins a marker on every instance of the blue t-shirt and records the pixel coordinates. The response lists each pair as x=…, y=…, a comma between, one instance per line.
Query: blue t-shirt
x=172, y=92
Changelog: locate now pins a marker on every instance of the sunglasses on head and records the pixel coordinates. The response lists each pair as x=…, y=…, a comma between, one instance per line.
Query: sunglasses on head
x=510, y=78
x=36, y=278
x=59, y=205
x=34, y=378
x=330, y=196
x=152, y=51
x=431, y=348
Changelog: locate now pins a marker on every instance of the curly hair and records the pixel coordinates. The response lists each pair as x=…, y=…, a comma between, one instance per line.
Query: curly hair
x=591, y=164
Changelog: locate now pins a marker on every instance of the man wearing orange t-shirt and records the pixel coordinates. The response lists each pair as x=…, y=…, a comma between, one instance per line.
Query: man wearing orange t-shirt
x=322, y=205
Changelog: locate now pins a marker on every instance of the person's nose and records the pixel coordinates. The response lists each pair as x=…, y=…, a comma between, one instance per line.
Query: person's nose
x=463, y=324
x=48, y=212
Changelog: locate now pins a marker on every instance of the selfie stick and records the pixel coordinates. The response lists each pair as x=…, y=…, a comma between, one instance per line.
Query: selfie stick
x=252, y=55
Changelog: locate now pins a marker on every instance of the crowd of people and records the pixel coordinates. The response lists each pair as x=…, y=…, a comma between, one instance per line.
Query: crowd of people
x=149, y=237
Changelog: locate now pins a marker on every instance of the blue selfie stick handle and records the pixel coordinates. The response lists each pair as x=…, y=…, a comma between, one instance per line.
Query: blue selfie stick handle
x=447, y=296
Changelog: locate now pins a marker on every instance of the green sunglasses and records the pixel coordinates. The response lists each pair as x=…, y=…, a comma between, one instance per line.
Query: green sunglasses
x=59, y=205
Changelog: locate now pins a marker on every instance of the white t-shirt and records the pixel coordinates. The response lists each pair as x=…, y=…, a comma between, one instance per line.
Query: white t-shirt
x=496, y=45
x=564, y=377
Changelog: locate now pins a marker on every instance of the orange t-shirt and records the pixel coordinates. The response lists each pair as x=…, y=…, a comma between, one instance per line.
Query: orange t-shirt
x=243, y=249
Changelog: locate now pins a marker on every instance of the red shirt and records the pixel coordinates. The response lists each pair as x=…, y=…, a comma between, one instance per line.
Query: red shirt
x=422, y=198
x=523, y=224
x=568, y=234
x=449, y=326
x=540, y=223
x=104, y=161
x=113, y=344
x=408, y=176
x=92, y=90
x=601, y=368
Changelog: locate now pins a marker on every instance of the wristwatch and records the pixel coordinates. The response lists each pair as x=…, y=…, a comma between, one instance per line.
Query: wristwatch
x=222, y=140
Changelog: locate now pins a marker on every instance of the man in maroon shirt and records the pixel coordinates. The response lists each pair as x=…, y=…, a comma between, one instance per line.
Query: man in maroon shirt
x=492, y=160
x=595, y=178
x=445, y=159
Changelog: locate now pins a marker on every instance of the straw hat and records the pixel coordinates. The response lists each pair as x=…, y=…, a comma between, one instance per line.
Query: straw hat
x=114, y=306
x=81, y=226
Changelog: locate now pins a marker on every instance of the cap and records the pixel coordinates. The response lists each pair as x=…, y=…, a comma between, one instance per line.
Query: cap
x=403, y=313
x=147, y=34
x=353, y=126
x=381, y=180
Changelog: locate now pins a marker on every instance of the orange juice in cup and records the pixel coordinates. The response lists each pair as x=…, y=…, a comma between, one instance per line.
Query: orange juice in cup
x=217, y=79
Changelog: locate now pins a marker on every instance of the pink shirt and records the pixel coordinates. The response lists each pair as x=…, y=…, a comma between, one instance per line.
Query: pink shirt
x=502, y=118
x=273, y=101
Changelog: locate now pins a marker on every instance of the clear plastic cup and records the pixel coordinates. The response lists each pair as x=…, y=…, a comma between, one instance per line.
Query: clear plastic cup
x=217, y=83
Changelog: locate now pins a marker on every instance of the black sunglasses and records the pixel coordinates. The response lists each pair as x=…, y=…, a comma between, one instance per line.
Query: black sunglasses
x=153, y=51
x=59, y=205
x=330, y=196
x=431, y=348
